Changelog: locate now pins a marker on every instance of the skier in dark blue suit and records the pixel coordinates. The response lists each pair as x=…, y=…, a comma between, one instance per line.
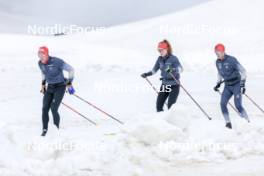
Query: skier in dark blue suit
x=168, y=64
x=52, y=73
x=233, y=74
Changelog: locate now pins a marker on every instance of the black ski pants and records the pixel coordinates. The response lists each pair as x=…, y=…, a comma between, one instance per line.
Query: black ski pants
x=52, y=100
x=171, y=92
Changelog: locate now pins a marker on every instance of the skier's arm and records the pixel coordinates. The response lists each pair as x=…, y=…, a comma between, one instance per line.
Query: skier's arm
x=219, y=78
x=219, y=82
x=152, y=72
x=174, y=67
x=177, y=66
x=242, y=72
x=70, y=71
x=155, y=68
x=43, y=82
x=43, y=78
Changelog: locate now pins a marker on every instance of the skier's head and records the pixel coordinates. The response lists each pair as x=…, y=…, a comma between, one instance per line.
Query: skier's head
x=43, y=54
x=164, y=48
x=220, y=51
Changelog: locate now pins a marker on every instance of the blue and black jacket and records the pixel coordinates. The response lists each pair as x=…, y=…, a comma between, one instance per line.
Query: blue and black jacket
x=163, y=63
x=230, y=71
x=52, y=72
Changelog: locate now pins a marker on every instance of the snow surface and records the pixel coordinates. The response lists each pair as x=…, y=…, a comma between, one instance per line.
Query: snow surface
x=177, y=142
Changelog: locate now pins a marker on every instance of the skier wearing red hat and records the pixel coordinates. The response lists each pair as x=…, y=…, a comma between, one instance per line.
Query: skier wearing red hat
x=233, y=74
x=168, y=64
x=52, y=74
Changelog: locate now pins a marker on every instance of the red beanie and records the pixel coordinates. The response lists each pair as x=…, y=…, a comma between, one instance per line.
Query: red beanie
x=44, y=49
x=163, y=45
x=220, y=47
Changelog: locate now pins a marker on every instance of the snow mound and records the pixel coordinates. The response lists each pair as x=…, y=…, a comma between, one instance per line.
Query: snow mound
x=174, y=138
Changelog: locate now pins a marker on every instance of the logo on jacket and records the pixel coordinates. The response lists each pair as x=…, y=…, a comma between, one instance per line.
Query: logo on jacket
x=226, y=65
x=219, y=65
x=50, y=67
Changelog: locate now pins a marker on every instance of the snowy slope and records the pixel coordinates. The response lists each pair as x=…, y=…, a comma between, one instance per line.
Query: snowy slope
x=194, y=32
x=177, y=142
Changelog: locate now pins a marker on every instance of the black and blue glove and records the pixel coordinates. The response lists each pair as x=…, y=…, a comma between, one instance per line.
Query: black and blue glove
x=70, y=88
x=144, y=75
x=216, y=88
x=169, y=69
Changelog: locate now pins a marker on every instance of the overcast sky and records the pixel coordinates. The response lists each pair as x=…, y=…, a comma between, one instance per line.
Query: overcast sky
x=91, y=12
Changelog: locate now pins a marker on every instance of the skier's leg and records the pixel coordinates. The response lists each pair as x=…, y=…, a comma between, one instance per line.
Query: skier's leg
x=173, y=95
x=238, y=102
x=226, y=95
x=57, y=98
x=47, y=99
x=162, y=96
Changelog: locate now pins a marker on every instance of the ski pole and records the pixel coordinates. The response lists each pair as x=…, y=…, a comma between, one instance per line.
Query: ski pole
x=78, y=113
x=254, y=103
x=229, y=103
x=153, y=87
x=99, y=109
x=199, y=106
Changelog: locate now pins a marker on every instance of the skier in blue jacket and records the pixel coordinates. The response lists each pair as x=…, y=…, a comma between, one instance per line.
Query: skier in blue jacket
x=233, y=74
x=168, y=64
x=52, y=73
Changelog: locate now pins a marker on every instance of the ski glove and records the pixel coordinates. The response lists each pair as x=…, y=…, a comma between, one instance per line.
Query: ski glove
x=169, y=69
x=144, y=75
x=43, y=89
x=242, y=86
x=68, y=82
x=70, y=89
x=216, y=88
x=43, y=86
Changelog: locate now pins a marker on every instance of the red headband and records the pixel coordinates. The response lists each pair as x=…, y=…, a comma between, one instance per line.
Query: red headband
x=163, y=45
x=220, y=47
x=44, y=49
